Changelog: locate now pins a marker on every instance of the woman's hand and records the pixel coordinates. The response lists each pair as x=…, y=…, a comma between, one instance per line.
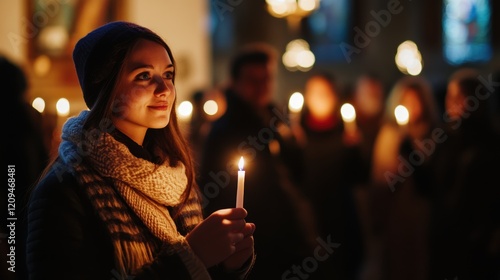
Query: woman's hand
x=221, y=235
x=244, y=249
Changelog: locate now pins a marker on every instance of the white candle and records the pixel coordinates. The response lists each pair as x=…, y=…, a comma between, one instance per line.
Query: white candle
x=348, y=114
x=241, y=185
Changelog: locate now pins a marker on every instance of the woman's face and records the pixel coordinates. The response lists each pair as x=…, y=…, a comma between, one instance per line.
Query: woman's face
x=145, y=90
x=320, y=97
x=412, y=102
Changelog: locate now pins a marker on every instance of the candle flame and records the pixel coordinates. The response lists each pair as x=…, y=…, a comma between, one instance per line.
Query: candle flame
x=296, y=102
x=348, y=112
x=240, y=163
x=402, y=115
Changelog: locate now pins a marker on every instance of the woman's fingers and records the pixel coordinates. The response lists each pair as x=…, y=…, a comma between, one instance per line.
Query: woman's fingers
x=234, y=225
x=236, y=237
x=242, y=252
x=231, y=213
x=220, y=235
x=233, y=219
x=248, y=229
x=245, y=243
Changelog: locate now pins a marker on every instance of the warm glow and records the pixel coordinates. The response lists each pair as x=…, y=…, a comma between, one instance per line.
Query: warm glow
x=62, y=107
x=401, y=114
x=42, y=65
x=284, y=8
x=39, y=104
x=53, y=39
x=408, y=58
x=185, y=109
x=308, y=5
x=296, y=102
x=298, y=56
x=210, y=107
x=241, y=163
x=348, y=112
x=414, y=68
x=305, y=59
x=281, y=8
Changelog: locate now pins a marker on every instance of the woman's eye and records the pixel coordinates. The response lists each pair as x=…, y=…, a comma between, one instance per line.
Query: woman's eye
x=143, y=76
x=168, y=75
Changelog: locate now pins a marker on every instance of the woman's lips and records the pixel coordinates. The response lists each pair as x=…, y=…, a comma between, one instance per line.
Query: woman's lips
x=161, y=107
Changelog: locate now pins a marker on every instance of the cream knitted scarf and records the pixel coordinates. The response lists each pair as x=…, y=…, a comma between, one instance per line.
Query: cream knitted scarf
x=127, y=191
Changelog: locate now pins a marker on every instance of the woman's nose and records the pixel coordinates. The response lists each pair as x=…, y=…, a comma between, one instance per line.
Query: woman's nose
x=162, y=86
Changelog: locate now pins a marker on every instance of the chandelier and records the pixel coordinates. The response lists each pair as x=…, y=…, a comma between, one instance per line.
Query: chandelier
x=292, y=10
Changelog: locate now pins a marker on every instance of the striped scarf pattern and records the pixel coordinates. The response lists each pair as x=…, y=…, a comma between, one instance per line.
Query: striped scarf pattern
x=128, y=192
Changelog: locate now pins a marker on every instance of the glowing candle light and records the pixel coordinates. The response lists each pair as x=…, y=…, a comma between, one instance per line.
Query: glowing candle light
x=185, y=110
x=210, y=107
x=241, y=184
x=349, y=117
x=296, y=102
x=62, y=107
x=62, y=110
x=39, y=104
x=402, y=115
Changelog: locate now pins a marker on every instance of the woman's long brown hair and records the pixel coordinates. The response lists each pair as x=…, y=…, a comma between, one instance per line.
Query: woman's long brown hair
x=166, y=144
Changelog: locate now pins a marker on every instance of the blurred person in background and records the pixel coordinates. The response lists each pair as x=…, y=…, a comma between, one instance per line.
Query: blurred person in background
x=27, y=149
x=401, y=179
x=332, y=163
x=201, y=120
x=255, y=128
x=369, y=101
x=465, y=228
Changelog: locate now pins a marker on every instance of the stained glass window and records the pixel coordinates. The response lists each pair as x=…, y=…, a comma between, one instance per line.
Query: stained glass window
x=467, y=31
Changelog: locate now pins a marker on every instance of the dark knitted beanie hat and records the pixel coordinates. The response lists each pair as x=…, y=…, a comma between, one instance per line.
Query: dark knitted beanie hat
x=99, y=55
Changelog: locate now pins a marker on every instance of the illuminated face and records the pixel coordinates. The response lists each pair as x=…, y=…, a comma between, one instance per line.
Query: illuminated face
x=369, y=97
x=413, y=103
x=320, y=98
x=145, y=90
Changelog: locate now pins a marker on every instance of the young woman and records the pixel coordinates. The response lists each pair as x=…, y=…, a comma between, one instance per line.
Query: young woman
x=120, y=200
x=401, y=180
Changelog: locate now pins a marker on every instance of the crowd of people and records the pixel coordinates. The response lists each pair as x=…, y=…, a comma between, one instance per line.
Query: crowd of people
x=130, y=196
x=395, y=200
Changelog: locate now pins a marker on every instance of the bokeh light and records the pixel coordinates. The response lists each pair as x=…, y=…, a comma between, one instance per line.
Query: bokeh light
x=296, y=102
x=402, y=115
x=408, y=58
x=62, y=107
x=39, y=104
x=298, y=56
x=348, y=112
x=210, y=107
x=185, y=109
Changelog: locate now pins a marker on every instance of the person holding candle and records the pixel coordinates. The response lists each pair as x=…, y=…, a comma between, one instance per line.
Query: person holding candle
x=331, y=168
x=418, y=117
x=255, y=128
x=368, y=97
x=120, y=201
x=401, y=179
